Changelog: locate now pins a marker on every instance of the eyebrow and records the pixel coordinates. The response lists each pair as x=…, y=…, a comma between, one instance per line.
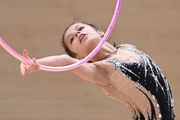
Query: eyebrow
x=71, y=33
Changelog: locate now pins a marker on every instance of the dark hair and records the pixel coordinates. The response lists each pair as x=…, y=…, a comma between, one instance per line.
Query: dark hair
x=76, y=20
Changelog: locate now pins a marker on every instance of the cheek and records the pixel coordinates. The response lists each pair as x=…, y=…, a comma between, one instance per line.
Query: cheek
x=77, y=48
x=94, y=41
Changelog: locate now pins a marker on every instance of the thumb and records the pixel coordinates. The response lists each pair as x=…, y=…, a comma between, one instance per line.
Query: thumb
x=25, y=54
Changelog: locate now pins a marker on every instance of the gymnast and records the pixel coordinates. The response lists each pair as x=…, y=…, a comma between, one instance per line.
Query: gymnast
x=123, y=72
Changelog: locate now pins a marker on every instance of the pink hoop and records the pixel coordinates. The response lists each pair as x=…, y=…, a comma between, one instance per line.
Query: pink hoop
x=75, y=65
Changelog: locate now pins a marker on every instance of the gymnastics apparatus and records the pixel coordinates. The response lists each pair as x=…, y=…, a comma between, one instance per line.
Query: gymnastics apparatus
x=75, y=65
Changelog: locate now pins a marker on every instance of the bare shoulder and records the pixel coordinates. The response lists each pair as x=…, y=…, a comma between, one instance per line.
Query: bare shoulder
x=126, y=46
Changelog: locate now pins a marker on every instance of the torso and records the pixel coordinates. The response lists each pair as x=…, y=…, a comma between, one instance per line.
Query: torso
x=131, y=79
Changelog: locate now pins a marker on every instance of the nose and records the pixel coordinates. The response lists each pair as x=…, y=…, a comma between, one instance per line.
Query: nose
x=77, y=33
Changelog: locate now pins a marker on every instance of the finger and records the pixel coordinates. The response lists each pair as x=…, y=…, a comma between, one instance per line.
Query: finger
x=34, y=60
x=25, y=54
x=26, y=63
x=23, y=71
x=35, y=64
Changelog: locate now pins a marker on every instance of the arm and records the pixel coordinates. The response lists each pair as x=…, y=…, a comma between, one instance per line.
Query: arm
x=60, y=60
x=87, y=71
x=90, y=72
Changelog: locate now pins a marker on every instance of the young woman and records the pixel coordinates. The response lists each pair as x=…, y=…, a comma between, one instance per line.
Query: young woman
x=124, y=73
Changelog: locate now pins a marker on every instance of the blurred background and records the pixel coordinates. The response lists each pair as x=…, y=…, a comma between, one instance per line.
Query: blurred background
x=37, y=25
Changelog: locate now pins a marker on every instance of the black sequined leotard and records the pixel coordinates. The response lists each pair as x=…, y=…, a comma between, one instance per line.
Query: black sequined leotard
x=146, y=90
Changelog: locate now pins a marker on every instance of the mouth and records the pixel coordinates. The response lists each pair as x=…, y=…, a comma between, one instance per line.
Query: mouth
x=81, y=37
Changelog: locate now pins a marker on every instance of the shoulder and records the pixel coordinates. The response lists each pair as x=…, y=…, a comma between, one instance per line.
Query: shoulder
x=126, y=46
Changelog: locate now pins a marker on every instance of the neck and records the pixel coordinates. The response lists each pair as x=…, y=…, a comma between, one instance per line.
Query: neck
x=106, y=50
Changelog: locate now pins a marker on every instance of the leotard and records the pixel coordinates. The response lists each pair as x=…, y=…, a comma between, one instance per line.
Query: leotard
x=144, y=87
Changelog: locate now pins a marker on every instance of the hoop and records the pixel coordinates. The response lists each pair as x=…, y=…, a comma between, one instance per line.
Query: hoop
x=75, y=65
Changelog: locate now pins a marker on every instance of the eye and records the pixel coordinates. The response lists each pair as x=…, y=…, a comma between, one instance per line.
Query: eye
x=80, y=28
x=71, y=40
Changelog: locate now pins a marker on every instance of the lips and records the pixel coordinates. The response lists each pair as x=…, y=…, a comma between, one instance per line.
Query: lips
x=81, y=37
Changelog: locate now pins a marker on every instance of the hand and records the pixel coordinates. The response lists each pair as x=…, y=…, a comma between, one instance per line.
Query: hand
x=28, y=67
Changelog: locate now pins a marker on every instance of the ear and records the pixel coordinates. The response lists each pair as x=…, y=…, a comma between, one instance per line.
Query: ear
x=101, y=33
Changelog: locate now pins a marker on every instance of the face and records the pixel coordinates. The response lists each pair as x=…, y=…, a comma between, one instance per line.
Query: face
x=82, y=39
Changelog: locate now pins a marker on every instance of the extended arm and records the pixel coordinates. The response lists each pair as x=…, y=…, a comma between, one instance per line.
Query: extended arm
x=59, y=60
x=87, y=71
